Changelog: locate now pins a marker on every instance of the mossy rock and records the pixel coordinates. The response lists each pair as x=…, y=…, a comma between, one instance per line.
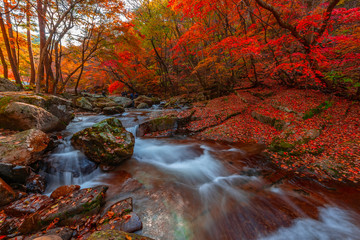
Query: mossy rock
x=280, y=145
x=116, y=235
x=156, y=125
x=107, y=142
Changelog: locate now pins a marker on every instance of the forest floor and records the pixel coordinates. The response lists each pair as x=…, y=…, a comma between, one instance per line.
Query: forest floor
x=305, y=131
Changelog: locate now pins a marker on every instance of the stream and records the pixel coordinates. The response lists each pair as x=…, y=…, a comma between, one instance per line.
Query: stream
x=205, y=190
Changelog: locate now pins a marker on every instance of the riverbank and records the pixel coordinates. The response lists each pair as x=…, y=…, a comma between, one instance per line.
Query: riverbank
x=305, y=131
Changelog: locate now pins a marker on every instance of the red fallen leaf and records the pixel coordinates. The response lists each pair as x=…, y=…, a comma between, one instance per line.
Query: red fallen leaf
x=3, y=236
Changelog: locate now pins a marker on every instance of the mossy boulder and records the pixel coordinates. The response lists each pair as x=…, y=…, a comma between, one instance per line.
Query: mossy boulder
x=7, y=86
x=107, y=142
x=156, y=125
x=23, y=116
x=116, y=235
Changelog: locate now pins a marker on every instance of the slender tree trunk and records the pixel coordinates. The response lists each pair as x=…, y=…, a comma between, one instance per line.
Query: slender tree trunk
x=29, y=43
x=41, y=20
x=79, y=77
x=9, y=52
x=10, y=30
x=5, y=67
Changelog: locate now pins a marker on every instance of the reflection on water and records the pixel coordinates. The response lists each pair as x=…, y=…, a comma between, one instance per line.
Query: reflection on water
x=197, y=190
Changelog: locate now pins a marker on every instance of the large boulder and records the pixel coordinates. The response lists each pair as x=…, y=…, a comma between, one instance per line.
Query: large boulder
x=107, y=142
x=143, y=99
x=23, y=116
x=157, y=125
x=83, y=103
x=59, y=107
x=116, y=235
x=123, y=101
x=103, y=102
x=7, y=194
x=7, y=86
x=23, y=148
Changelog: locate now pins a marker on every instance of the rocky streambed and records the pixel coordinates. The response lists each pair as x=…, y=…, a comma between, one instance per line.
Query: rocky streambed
x=173, y=187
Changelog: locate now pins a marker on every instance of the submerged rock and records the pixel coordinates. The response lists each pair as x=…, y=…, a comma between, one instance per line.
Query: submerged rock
x=116, y=235
x=107, y=142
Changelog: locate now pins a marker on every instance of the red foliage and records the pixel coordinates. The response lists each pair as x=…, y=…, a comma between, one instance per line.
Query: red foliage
x=116, y=86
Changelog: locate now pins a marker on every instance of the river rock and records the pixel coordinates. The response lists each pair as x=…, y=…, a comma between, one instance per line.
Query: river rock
x=49, y=237
x=23, y=116
x=77, y=204
x=7, y=86
x=103, y=102
x=123, y=101
x=156, y=125
x=107, y=142
x=120, y=217
x=36, y=184
x=83, y=103
x=63, y=191
x=143, y=99
x=116, y=235
x=13, y=173
x=23, y=148
x=28, y=205
x=7, y=194
x=64, y=233
x=113, y=110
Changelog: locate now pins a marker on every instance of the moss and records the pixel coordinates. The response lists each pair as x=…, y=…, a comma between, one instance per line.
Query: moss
x=4, y=101
x=319, y=109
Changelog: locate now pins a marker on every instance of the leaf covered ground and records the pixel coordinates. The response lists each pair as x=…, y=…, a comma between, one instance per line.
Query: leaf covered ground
x=307, y=132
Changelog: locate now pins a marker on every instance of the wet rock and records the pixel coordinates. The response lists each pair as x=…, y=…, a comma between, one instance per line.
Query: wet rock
x=65, y=210
x=142, y=106
x=7, y=194
x=123, y=101
x=23, y=116
x=120, y=217
x=83, y=103
x=156, y=125
x=107, y=142
x=64, y=191
x=28, y=205
x=116, y=235
x=7, y=86
x=23, y=148
x=13, y=173
x=36, y=184
x=113, y=110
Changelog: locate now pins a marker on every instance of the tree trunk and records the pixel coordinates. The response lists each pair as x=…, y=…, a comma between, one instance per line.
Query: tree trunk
x=41, y=20
x=9, y=52
x=5, y=67
x=29, y=43
x=10, y=30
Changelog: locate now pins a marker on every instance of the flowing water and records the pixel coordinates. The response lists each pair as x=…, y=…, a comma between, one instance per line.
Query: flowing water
x=201, y=190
